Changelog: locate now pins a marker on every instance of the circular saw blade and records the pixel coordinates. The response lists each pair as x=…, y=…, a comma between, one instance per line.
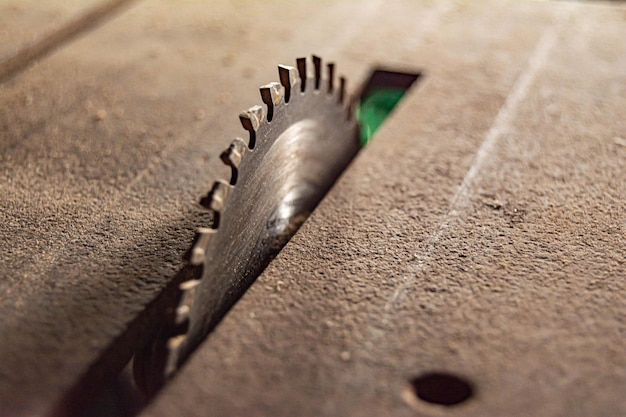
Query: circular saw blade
x=296, y=150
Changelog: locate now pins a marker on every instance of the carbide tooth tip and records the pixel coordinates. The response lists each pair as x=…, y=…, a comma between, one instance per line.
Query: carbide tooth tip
x=192, y=283
x=288, y=78
x=232, y=157
x=254, y=115
x=276, y=91
x=197, y=256
x=272, y=95
x=234, y=154
x=301, y=64
x=186, y=301
x=200, y=245
x=251, y=120
x=176, y=341
x=288, y=75
x=182, y=314
x=317, y=65
x=217, y=196
x=173, y=347
x=331, y=77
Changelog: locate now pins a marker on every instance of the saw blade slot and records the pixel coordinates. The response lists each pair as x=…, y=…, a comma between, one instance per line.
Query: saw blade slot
x=381, y=93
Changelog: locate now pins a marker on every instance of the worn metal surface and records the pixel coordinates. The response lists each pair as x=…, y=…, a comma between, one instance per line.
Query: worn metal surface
x=481, y=234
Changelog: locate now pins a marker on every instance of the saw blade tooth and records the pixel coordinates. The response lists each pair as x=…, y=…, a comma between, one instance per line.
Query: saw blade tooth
x=232, y=157
x=342, y=89
x=200, y=245
x=288, y=78
x=182, y=314
x=272, y=95
x=190, y=284
x=173, y=347
x=317, y=65
x=331, y=77
x=218, y=195
x=301, y=64
x=183, y=311
x=215, y=200
x=251, y=120
x=188, y=289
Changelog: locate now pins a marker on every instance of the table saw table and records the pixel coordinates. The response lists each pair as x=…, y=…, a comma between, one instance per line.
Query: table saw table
x=469, y=261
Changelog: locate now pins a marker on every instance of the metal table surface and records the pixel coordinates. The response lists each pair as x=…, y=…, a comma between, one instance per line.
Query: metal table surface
x=480, y=235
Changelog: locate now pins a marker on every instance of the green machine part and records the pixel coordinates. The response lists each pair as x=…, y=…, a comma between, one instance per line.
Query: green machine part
x=374, y=109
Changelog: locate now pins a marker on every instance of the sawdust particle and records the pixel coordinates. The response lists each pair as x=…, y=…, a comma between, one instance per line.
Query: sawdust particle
x=620, y=141
x=100, y=115
x=200, y=114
